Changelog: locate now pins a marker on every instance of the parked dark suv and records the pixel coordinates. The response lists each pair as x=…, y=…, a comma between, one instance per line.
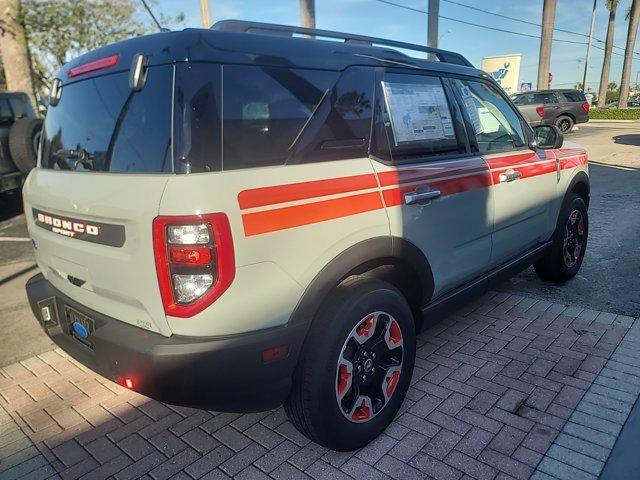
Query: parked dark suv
x=563, y=108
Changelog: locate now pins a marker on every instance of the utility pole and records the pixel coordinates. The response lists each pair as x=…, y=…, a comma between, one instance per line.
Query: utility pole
x=308, y=13
x=586, y=60
x=204, y=13
x=14, y=49
x=432, y=25
x=544, y=60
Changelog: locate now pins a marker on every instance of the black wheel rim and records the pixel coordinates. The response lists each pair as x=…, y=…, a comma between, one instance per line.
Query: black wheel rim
x=369, y=367
x=564, y=125
x=573, y=242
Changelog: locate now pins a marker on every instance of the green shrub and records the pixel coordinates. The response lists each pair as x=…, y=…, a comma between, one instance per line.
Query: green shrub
x=614, y=114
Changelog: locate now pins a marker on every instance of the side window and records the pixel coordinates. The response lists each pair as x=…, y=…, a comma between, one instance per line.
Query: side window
x=17, y=104
x=264, y=111
x=574, y=97
x=496, y=125
x=341, y=124
x=544, y=98
x=5, y=111
x=414, y=116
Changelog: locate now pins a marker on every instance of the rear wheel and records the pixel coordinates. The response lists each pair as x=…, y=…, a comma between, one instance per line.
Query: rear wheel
x=564, y=123
x=356, y=366
x=24, y=138
x=569, y=242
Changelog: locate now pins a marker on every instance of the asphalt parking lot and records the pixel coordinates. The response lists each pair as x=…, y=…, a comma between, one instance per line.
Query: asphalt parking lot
x=531, y=381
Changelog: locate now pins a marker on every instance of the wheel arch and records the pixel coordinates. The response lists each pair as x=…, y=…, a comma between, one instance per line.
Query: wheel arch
x=392, y=259
x=580, y=185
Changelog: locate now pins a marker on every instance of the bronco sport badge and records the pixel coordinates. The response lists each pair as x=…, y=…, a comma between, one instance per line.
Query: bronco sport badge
x=95, y=232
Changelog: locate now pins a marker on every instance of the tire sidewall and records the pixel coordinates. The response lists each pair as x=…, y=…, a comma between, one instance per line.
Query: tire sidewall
x=573, y=203
x=341, y=432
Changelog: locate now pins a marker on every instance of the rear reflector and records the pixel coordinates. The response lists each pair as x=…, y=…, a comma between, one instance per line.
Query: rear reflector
x=94, y=65
x=194, y=255
x=540, y=111
x=275, y=353
x=586, y=106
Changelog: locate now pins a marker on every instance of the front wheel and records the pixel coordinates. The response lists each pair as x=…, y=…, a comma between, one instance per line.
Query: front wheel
x=356, y=365
x=564, y=123
x=565, y=257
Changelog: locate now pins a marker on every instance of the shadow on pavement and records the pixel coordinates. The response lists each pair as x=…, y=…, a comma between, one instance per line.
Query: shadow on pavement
x=631, y=139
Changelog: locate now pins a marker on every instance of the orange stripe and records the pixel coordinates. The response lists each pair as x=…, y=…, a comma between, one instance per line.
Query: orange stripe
x=260, y=197
x=298, y=215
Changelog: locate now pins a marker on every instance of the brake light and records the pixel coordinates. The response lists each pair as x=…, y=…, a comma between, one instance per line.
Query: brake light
x=195, y=261
x=94, y=65
x=586, y=107
x=540, y=111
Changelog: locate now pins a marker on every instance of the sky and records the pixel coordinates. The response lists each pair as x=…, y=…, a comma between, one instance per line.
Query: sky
x=371, y=17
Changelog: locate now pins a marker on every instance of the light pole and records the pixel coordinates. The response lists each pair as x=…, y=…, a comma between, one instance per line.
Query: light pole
x=586, y=59
x=204, y=13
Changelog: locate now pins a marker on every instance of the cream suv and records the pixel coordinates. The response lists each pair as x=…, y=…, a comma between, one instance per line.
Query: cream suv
x=236, y=218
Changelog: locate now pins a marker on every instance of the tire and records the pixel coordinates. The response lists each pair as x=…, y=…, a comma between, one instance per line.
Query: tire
x=23, y=142
x=325, y=402
x=564, y=123
x=561, y=264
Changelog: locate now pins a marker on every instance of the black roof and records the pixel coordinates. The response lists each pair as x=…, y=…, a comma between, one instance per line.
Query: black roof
x=225, y=46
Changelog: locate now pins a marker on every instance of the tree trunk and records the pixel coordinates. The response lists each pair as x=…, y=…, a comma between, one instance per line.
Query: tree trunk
x=632, y=32
x=544, y=61
x=608, y=48
x=14, y=50
x=308, y=13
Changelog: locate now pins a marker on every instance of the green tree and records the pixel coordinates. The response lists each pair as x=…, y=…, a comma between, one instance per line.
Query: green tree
x=612, y=86
x=59, y=30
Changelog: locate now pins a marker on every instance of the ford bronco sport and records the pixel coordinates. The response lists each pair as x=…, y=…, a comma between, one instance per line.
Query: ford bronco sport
x=236, y=218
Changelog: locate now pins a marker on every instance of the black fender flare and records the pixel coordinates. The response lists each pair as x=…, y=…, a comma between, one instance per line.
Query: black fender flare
x=358, y=259
x=579, y=178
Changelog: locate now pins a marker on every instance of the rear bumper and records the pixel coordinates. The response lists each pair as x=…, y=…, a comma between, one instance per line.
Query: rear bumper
x=215, y=373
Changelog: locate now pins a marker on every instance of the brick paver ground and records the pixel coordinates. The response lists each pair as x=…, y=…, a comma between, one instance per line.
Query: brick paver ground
x=493, y=388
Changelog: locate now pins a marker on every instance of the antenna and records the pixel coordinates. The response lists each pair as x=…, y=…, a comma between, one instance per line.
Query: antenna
x=155, y=20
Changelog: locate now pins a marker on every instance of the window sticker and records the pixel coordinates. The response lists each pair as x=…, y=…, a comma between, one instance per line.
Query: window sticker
x=418, y=112
x=472, y=108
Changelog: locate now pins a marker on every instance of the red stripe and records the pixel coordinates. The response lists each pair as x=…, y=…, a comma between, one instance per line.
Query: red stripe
x=573, y=162
x=260, y=197
x=395, y=196
x=298, y=215
x=512, y=160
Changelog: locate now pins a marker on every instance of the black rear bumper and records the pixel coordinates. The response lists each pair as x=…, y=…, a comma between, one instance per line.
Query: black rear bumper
x=215, y=373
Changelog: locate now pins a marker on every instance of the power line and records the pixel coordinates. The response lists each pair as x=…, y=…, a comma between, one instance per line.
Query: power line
x=495, y=29
x=527, y=22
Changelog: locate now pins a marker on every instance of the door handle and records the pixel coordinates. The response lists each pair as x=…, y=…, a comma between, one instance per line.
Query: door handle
x=420, y=195
x=510, y=175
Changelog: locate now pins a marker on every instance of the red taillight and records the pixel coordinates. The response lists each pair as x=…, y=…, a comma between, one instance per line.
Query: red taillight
x=208, y=264
x=194, y=255
x=92, y=66
x=540, y=111
x=586, y=107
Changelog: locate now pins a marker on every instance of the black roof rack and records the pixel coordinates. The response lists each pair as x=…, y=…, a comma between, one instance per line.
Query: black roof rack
x=286, y=30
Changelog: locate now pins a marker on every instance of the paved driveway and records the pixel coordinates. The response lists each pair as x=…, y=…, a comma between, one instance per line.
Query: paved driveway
x=498, y=392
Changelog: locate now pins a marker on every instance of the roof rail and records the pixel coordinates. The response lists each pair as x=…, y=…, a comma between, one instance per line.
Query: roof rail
x=288, y=31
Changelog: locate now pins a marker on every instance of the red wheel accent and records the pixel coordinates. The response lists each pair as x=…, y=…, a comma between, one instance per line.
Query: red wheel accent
x=392, y=383
x=344, y=379
x=362, y=413
x=395, y=335
x=366, y=327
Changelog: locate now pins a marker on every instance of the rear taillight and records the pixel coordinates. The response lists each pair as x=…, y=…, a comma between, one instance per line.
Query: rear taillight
x=195, y=261
x=540, y=111
x=585, y=106
x=94, y=65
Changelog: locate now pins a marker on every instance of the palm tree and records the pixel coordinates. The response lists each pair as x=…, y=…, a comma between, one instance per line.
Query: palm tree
x=308, y=13
x=612, y=5
x=546, y=38
x=634, y=19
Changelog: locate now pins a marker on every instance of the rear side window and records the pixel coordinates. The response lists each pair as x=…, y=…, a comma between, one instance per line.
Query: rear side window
x=496, y=125
x=535, y=98
x=341, y=125
x=101, y=125
x=264, y=109
x=416, y=118
x=574, y=96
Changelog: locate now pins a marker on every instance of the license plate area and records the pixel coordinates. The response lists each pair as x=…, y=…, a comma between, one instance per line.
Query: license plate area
x=79, y=326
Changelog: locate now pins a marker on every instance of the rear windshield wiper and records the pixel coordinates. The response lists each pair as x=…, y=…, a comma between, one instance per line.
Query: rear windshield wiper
x=74, y=158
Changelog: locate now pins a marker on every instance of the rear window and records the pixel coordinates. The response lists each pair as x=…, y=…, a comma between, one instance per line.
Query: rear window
x=101, y=125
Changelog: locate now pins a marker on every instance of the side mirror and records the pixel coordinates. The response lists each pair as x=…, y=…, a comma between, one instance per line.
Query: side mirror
x=547, y=137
